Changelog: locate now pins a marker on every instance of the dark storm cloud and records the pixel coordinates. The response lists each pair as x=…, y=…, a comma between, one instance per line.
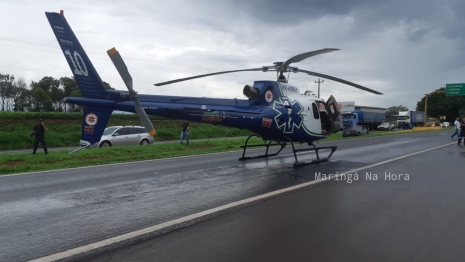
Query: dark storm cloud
x=289, y=12
x=447, y=16
x=389, y=45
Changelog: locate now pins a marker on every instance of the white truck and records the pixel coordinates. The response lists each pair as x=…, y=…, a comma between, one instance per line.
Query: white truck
x=405, y=118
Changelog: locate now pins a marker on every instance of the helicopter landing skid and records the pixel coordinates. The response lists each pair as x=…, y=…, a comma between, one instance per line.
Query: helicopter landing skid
x=316, y=149
x=267, y=145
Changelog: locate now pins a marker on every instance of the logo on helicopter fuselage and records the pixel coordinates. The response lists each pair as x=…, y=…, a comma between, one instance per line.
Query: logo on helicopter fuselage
x=289, y=115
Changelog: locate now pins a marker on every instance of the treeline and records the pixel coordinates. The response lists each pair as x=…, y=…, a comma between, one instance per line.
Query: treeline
x=46, y=95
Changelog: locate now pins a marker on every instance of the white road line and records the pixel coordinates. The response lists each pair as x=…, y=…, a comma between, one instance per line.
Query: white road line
x=153, y=231
x=403, y=138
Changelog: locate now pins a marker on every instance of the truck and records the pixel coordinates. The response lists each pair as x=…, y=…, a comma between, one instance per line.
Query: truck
x=368, y=119
x=405, y=118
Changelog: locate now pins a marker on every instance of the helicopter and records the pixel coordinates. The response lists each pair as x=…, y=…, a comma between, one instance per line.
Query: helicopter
x=273, y=110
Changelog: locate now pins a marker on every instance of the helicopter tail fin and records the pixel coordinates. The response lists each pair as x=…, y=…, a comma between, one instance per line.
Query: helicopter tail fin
x=86, y=76
x=94, y=119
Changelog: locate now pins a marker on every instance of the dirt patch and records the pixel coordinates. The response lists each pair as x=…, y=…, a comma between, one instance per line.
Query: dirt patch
x=14, y=163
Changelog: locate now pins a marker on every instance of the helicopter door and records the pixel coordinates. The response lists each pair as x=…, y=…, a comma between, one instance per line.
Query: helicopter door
x=311, y=117
x=335, y=115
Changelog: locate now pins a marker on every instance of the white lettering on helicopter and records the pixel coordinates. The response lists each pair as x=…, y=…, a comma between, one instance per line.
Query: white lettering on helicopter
x=291, y=89
x=80, y=67
x=88, y=129
x=66, y=41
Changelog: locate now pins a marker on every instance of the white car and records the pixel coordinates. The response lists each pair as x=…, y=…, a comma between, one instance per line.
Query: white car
x=121, y=136
x=385, y=126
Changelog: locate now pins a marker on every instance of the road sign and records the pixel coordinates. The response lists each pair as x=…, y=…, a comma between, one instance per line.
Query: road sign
x=455, y=89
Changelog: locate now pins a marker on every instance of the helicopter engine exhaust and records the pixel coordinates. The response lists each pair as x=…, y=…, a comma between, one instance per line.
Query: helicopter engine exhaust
x=250, y=92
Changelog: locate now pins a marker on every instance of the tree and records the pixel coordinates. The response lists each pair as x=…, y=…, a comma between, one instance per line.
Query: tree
x=51, y=86
x=75, y=108
x=394, y=110
x=6, y=91
x=441, y=105
x=21, y=96
x=107, y=85
x=69, y=85
x=42, y=102
x=461, y=113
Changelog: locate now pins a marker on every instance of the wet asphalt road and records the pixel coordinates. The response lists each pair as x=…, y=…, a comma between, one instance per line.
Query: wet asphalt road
x=44, y=213
x=389, y=219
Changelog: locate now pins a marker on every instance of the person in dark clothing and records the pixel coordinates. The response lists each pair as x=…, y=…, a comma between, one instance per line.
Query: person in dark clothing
x=462, y=132
x=39, y=133
x=185, y=132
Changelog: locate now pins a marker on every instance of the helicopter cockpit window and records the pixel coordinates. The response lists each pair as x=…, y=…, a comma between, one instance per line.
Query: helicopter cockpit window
x=250, y=92
x=316, y=113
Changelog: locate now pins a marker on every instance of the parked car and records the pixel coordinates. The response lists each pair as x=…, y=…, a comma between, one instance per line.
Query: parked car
x=123, y=135
x=385, y=126
x=354, y=131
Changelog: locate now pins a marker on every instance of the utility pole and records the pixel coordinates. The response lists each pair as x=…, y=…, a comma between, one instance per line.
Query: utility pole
x=319, y=81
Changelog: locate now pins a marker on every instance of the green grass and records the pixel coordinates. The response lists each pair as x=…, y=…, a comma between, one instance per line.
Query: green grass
x=19, y=163
x=14, y=133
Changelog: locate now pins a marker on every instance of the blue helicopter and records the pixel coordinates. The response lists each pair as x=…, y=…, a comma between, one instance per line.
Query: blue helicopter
x=273, y=110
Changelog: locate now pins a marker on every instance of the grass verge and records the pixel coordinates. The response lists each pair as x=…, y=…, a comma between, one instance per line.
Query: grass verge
x=19, y=163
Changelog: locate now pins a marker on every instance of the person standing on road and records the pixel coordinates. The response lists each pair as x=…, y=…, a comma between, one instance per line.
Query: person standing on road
x=39, y=133
x=457, y=129
x=185, y=132
x=462, y=132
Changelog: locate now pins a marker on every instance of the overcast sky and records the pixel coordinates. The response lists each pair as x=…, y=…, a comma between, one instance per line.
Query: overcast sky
x=402, y=48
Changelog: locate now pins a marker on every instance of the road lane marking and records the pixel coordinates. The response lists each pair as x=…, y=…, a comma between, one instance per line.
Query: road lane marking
x=403, y=138
x=176, y=224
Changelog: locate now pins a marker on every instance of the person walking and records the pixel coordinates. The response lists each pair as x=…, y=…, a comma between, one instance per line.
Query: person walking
x=457, y=129
x=462, y=132
x=39, y=133
x=185, y=132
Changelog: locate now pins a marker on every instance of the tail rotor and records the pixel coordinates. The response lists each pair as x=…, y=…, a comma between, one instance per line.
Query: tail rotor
x=124, y=73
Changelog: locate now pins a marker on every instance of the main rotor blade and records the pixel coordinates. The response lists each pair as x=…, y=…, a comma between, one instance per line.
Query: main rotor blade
x=341, y=81
x=303, y=56
x=211, y=74
x=124, y=73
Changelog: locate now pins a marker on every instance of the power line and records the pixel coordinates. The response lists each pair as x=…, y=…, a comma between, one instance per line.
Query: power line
x=158, y=64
